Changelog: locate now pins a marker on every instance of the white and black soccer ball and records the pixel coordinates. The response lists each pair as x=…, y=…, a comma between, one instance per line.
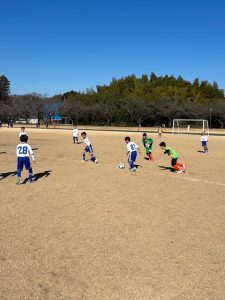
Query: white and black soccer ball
x=121, y=166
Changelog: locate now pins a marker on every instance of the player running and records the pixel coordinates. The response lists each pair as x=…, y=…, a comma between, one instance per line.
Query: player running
x=148, y=142
x=178, y=167
x=131, y=153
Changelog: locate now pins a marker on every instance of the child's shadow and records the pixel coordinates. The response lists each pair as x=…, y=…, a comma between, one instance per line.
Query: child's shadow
x=2, y=152
x=34, y=149
x=38, y=176
x=7, y=174
x=138, y=166
x=201, y=151
x=166, y=168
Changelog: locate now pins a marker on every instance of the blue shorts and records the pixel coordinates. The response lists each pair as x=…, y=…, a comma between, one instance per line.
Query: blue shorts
x=23, y=161
x=88, y=149
x=204, y=143
x=132, y=156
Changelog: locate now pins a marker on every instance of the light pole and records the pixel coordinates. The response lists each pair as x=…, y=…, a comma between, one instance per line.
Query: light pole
x=210, y=117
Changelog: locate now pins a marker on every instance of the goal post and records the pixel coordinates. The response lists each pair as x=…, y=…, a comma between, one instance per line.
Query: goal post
x=186, y=126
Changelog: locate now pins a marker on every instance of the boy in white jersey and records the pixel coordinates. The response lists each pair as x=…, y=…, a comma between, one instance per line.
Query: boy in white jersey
x=22, y=131
x=131, y=153
x=88, y=148
x=75, y=135
x=204, y=140
x=23, y=153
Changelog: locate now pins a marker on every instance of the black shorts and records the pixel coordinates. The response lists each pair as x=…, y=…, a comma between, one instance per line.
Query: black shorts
x=174, y=161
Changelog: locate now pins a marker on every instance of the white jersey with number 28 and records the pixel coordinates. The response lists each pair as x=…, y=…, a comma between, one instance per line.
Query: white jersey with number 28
x=24, y=150
x=132, y=147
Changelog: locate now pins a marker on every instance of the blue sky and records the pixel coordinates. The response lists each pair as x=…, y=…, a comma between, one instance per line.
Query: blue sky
x=57, y=46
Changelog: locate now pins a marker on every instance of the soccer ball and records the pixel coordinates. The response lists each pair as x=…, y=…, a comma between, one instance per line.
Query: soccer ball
x=121, y=166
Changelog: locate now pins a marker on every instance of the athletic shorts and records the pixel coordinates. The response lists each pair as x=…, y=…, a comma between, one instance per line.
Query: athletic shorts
x=88, y=149
x=204, y=143
x=148, y=150
x=174, y=161
x=23, y=162
x=132, y=156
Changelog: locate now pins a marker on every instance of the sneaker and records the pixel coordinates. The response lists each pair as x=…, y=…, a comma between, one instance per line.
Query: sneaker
x=134, y=169
x=96, y=161
x=179, y=172
x=19, y=180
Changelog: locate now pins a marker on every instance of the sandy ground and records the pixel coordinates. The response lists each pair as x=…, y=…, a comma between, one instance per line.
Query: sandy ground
x=86, y=231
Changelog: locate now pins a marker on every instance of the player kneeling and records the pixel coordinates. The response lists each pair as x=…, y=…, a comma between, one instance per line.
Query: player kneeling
x=24, y=152
x=178, y=168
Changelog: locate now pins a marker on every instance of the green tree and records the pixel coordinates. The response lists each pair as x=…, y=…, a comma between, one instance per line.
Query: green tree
x=4, y=88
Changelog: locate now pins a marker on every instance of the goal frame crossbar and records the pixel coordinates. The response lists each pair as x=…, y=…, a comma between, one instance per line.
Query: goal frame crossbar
x=205, y=125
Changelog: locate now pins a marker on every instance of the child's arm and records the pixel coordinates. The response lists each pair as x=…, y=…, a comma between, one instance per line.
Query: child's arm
x=137, y=147
x=31, y=153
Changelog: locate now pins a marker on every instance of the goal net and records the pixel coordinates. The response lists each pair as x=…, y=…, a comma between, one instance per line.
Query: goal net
x=190, y=126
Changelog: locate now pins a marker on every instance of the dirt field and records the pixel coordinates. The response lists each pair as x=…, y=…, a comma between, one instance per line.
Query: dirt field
x=87, y=231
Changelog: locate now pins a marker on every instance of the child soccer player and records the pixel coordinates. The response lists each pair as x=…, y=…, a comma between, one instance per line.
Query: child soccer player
x=148, y=142
x=75, y=135
x=88, y=148
x=22, y=132
x=204, y=141
x=178, y=168
x=24, y=152
x=131, y=153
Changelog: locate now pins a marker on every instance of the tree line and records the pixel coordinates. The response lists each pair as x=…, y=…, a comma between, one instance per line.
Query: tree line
x=129, y=101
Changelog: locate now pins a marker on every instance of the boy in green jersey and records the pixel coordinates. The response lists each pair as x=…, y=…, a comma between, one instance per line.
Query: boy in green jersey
x=178, y=168
x=148, y=142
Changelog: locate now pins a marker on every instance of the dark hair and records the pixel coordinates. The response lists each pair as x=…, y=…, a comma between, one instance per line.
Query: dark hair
x=83, y=133
x=144, y=134
x=162, y=144
x=127, y=138
x=23, y=138
x=23, y=127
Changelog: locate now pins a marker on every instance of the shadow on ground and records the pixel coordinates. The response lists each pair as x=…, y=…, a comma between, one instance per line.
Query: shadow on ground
x=166, y=168
x=7, y=174
x=38, y=176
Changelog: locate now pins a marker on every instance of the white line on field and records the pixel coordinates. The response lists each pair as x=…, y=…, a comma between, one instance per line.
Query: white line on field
x=181, y=176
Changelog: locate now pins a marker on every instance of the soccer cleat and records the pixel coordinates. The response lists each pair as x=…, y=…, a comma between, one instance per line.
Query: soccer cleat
x=96, y=161
x=134, y=169
x=179, y=172
x=19, y=181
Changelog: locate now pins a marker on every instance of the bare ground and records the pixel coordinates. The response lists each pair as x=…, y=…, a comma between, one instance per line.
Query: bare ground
x=86, y=231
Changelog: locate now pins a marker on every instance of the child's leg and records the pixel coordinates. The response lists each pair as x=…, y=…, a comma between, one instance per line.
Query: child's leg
x=30, y=174
x=132, y=159
x=84, y=155
x=29, y=169
x=150, y=156
x=19, y=167
x=91, y=151
x=76, y=140
x=174, y=164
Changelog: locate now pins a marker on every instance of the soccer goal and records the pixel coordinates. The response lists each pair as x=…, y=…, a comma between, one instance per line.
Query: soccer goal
x=190, y=126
